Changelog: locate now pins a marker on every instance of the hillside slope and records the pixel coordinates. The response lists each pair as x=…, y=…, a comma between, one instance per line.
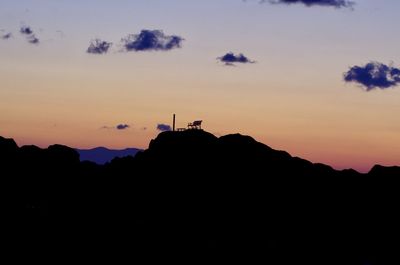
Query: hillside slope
x=192, y=194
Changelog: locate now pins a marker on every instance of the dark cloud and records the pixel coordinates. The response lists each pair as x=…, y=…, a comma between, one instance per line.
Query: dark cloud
x=33, y=39
x=151, y=40
x=230, y=59
x=98, y=46
x=6, y=36
x=122, y=126
x=26, y=30
x=163, y=127
x=373, y=75
x=333, y=3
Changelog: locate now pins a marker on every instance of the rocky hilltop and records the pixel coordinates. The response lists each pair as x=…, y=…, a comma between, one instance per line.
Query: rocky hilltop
x=193, y=194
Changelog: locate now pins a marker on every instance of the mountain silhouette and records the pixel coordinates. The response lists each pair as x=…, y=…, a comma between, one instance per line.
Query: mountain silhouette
x=102, y=155
x=192, y=194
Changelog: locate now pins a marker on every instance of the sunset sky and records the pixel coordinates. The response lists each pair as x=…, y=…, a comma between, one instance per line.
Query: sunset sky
x=290, y=93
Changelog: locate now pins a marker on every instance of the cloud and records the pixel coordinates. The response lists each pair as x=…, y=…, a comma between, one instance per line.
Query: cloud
x=163, y=127
x=60, y=33
x=122, y=126
x=151, y=40
x=98, y=46
x=6, y=36
x=31, y=37
x=230, y=59
x=333, y=3
x=373, y=75
x=26, y=30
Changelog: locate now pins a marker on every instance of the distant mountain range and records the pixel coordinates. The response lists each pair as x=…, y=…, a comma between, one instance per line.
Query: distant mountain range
x=102, y=155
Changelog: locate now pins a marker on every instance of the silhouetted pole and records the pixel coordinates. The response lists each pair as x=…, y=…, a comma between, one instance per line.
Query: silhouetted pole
x=173, y=124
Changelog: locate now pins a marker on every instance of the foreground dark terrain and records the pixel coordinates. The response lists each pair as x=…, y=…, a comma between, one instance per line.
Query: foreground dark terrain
x=194, y=197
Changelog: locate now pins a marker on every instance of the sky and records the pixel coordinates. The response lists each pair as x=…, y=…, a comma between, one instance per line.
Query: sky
x=300, y=78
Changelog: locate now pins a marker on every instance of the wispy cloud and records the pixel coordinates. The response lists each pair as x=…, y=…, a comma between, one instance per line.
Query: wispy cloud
x=121, y=126
x=163, y=127
x=98, y=46
x=151, y=40
x=230, y=59
x=309, y=3
x=373, y=75
x=6, y=36
x=60, y=33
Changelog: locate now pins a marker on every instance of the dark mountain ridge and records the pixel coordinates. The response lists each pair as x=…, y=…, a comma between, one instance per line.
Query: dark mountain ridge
x=195, y=146
x=190, y=193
